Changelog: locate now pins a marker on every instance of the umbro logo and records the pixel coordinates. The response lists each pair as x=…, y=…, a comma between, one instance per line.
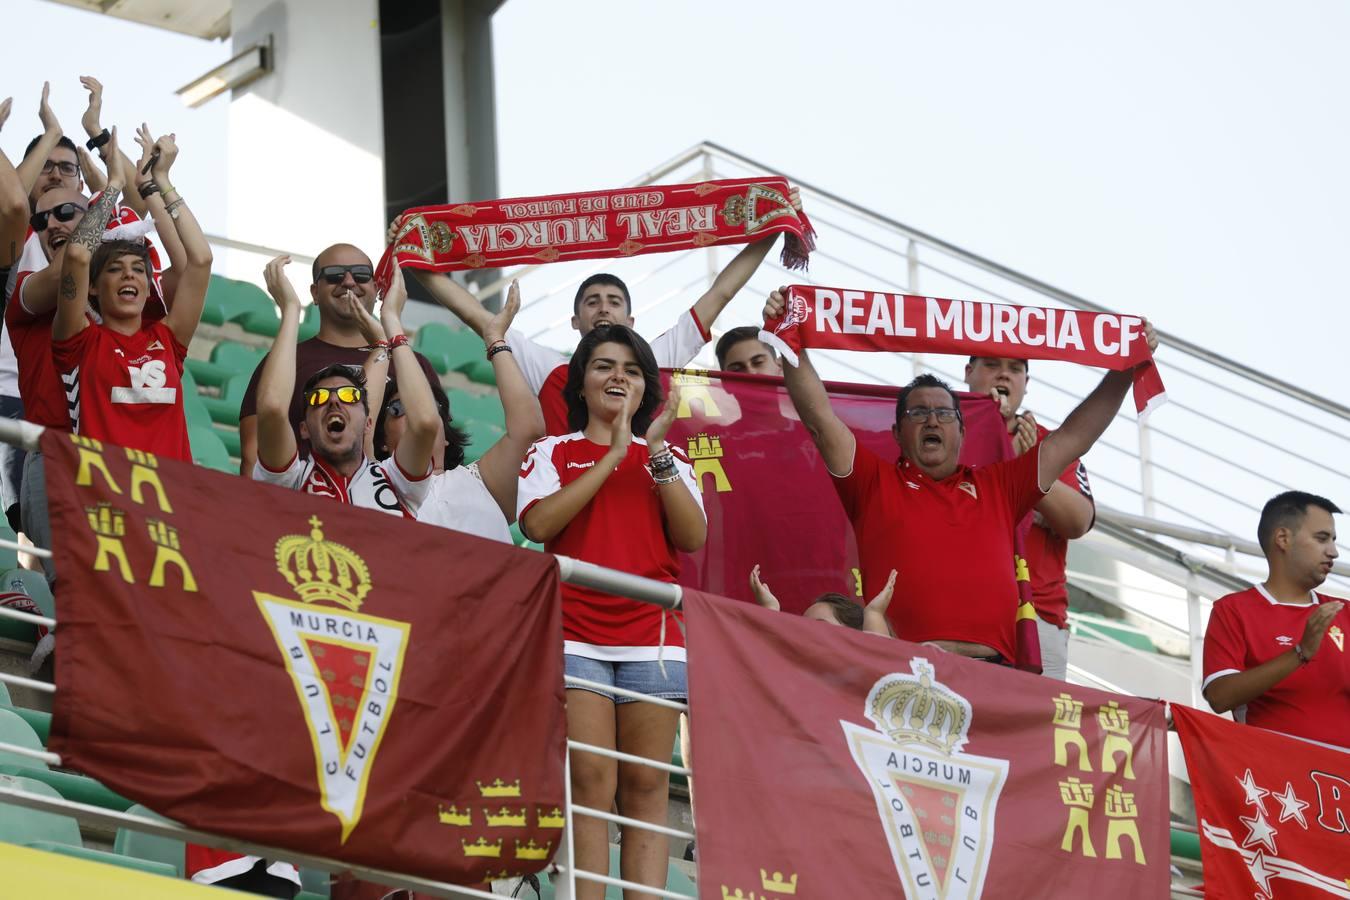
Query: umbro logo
x=1285, y=640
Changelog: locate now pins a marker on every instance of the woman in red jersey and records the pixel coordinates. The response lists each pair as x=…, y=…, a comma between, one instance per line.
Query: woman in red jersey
x=123, y=376
x=608, y=496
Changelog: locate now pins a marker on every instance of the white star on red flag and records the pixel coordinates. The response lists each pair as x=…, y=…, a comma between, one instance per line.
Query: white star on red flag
x=1259, y=831
x=1290, y=806
x=1254, y=793
x=1260, y=873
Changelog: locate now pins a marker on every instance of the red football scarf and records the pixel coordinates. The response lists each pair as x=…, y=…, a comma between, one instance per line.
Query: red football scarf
x=836, y=319
x=599, y=225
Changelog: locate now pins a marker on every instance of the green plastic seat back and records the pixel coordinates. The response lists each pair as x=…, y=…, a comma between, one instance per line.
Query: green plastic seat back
x=20, y=825
x=138, y=844
x=34, y=584
x=14, y=730
x=237, y=357
x=208, y=449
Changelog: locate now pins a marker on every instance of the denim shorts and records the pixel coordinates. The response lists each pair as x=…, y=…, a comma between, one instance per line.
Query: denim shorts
x=642, y=677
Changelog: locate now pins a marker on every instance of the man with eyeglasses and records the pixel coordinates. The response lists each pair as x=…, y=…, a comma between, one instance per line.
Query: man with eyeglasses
x=1065, y=513
x=946, y=528
x=342, y=274
x=338, y=421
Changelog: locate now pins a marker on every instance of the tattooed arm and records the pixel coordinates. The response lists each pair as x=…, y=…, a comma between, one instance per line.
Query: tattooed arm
x=72, y=296
x=13, y=203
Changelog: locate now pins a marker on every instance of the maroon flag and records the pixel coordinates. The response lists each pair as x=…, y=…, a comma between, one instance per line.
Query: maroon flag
x=1274, y=811
x=281, y=668
x=769, y=498
x=847, y=764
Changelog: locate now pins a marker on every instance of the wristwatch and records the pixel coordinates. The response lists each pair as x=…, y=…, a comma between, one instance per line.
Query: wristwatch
x=98, y=140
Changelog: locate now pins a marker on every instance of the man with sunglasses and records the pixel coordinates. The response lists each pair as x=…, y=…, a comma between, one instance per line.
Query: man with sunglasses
x=945, y=527
x=341, y=274
x=337, y=418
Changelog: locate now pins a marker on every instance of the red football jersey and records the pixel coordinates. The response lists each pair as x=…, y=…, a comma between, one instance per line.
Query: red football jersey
x=951, y=541
x=44, y=401
x=1252, y=627
x=1047, y=552
x=127, y=389
x=622, y=528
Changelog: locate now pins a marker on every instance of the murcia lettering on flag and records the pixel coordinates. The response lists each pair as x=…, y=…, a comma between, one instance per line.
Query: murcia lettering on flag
x=345, y=665
x=935, y=802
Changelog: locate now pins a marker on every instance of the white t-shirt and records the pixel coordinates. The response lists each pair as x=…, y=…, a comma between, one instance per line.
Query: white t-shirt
x=545, y=369
x=458, y=499
x=374, y=485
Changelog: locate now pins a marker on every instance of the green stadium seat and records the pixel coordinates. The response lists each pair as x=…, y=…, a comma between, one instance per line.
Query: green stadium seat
x=20, y=825
x=230, y=438
x=39, y=721
x=262, y=322
x=225, y=408
x=209, y=450
x=472, y=407
x=103, y=856
x=14, y=730
x=34, y=584
x=228, y=300
x=315, y=883
x=9, y=558
x=447, y=348
x=309, y=322
x=227, y=358
x=193, y=410
x=480, y=372
x=150, y=847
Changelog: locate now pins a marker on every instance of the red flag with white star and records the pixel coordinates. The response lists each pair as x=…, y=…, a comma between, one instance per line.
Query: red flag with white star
x=1273, y=810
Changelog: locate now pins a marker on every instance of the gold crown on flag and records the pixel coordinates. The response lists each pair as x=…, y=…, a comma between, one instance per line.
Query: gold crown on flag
x=499, y=788
x=450, y=815
x=919, y=710
x=533, y=850
x=504, y=817
x=322, y=571
x=553, y=818
x=777, y=884
x=482, y=847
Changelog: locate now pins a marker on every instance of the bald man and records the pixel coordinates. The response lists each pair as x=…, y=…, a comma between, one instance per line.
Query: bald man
x=338, y=270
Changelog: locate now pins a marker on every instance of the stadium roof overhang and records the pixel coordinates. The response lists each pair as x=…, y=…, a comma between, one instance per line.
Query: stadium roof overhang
x=200, y=18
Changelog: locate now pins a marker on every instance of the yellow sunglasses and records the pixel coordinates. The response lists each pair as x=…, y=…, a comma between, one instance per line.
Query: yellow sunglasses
x=346, y=394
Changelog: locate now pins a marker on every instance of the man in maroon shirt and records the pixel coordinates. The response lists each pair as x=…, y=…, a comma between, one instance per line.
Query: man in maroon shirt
x=339, y=270
x=947, y=529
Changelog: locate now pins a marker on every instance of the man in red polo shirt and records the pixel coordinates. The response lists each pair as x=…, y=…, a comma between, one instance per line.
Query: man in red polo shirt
x=1275, y=653
x=947, y=529
x=1066, y=511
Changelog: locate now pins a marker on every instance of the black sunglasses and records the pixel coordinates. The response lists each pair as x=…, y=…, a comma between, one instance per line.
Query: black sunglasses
x=361, y=274
x=64, y=213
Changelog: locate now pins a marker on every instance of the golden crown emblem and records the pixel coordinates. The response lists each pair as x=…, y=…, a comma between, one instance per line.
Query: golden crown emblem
x=482, y=847
x=552, y=818
x=505, y=817
x=322, y=571
x=917, y=709
x=499, y=788
x=531, y=850
x=777, y=884
x=450, y=815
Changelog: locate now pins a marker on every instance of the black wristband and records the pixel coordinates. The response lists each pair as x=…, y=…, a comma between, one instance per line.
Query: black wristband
x=98, y=140
x=147, y=189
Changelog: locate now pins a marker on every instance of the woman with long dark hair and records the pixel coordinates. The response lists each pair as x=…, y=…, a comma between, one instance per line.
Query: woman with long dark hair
x=608, y=495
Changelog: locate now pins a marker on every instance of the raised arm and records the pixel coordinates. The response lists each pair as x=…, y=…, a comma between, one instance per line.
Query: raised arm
x=1240, y=688
x=30, y=167
x=685, y=520
x=831, y=436
x=276, y=384
x=546, y=519
x=154, y=203
x=1063, y=510
x=13, y=202
x=115, y=159
x=448, y=292
x=737, y=274
x=500, y=465
x=73, y=295
x=414, y=451
x=1088, y=421
x=376, y=365
x=190, y=287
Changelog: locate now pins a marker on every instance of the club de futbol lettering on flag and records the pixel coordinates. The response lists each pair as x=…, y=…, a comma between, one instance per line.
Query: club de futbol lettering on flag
x=599, y=225
x=838, y=319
